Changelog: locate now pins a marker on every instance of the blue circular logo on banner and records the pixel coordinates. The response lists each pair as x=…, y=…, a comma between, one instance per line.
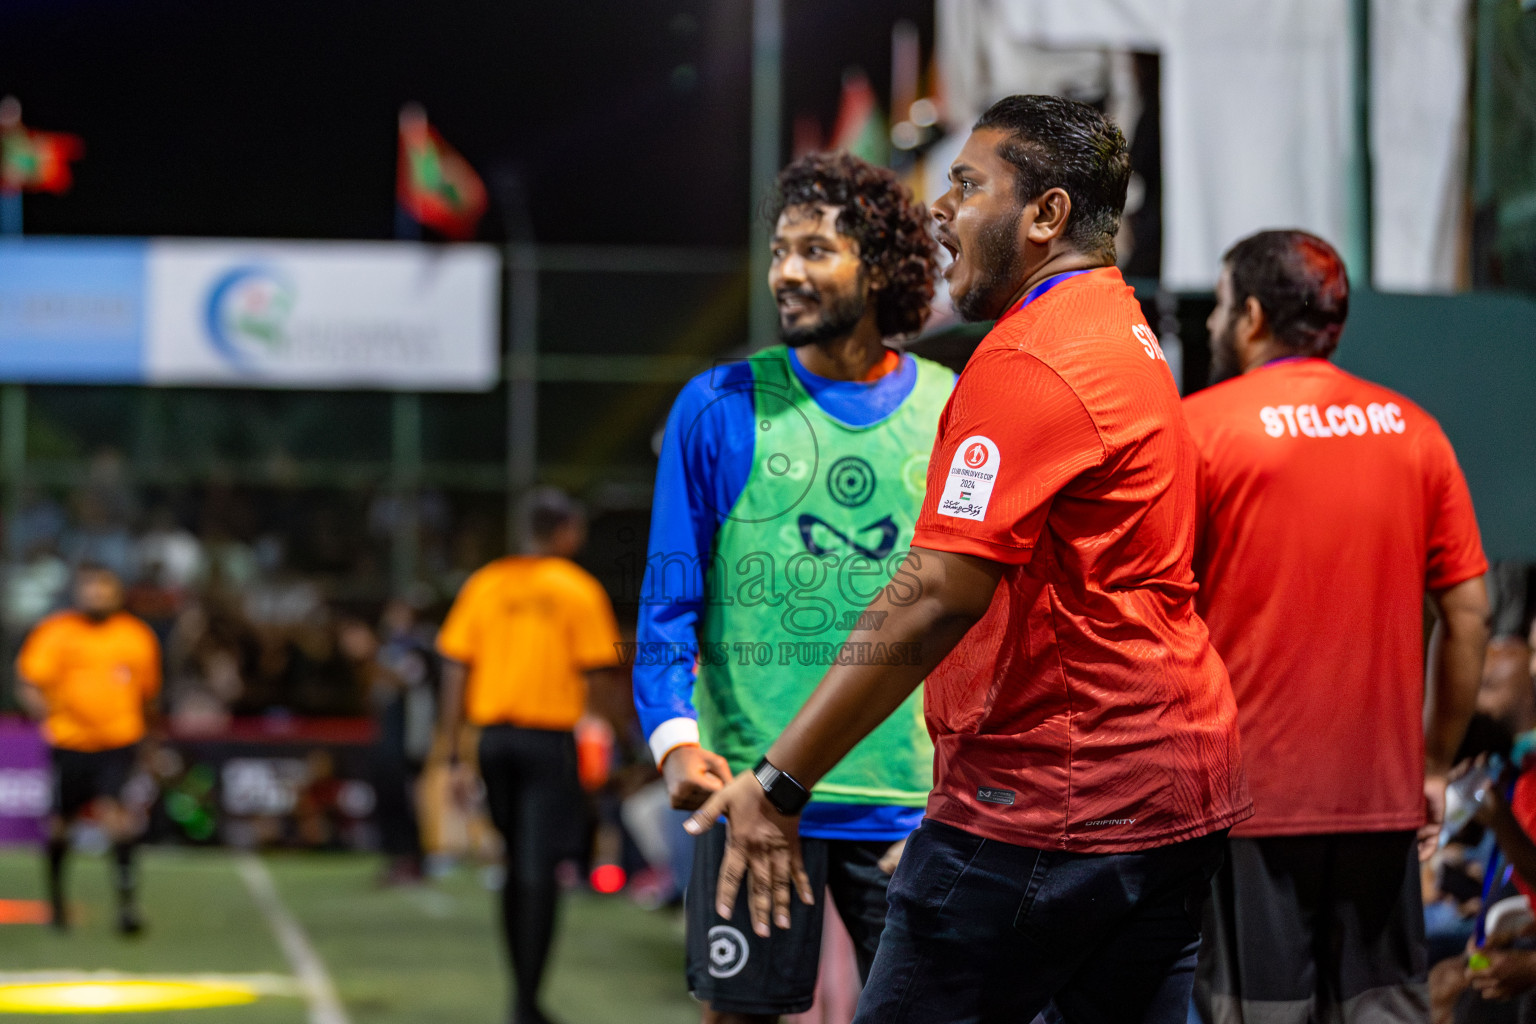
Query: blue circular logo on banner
x=247, y=316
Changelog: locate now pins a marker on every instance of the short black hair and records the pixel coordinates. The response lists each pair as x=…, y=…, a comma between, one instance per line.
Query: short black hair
x=1301, y=285
x=878, y=212
x=1060, y=143
x=547, y=509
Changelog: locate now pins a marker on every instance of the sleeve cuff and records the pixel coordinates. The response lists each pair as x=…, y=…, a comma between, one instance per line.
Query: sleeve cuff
x=1454, y=577
x=674, y=732
x=960, y=544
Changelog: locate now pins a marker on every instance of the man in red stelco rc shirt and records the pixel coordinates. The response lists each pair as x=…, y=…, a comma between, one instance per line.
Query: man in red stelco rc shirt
x=1087, y=762
x=1329, y=506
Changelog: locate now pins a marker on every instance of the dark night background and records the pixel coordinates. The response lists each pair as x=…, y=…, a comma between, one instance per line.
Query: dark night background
x=629, y=121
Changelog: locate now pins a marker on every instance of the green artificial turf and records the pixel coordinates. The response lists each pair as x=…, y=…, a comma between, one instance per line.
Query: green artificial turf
x=420, y=955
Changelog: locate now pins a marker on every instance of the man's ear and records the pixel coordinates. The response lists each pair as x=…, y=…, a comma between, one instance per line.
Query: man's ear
x=1052, y=209
x=1254, y=326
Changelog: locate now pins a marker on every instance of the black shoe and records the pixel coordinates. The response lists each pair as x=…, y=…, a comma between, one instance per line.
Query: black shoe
x=532, y=1015
x=129, y=923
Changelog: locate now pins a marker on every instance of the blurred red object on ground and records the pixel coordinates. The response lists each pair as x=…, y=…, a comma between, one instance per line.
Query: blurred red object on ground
x=23, y=912
x=608, y=879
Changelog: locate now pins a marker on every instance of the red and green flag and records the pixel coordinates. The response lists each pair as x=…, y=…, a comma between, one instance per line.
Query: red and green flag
x=861, y=129
x=34, y=161
x=436, y=185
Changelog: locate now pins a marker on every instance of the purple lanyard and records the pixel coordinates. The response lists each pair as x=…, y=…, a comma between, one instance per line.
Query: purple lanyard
x=1049, y=283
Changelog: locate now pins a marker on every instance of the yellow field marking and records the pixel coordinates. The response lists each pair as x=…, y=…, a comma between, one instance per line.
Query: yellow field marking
x=64, y=992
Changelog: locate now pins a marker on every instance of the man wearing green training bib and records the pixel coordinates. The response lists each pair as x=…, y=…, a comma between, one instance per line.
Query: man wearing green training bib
x=787, y=491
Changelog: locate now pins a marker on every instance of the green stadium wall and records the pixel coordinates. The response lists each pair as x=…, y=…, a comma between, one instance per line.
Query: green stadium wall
x=1470, y=361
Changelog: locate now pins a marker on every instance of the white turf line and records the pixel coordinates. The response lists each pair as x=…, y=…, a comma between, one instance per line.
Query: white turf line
x=315, y=981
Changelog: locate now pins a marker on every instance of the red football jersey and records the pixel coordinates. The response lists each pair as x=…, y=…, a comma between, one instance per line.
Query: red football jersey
x=1328, y=506
x=1087, y=710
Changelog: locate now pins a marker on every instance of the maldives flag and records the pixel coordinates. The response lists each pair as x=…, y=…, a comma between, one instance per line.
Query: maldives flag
x=33, y=161
x=435, y=184
x=861, y=129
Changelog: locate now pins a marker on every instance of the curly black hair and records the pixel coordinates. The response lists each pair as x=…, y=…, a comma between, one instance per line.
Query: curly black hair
x=878, y=212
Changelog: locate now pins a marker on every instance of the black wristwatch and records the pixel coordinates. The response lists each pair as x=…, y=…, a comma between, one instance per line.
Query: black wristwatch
x=787, y=796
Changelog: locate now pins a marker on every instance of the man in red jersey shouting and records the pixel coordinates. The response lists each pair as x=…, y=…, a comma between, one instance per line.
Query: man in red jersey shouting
x=1086, y=757
x=1329, y=506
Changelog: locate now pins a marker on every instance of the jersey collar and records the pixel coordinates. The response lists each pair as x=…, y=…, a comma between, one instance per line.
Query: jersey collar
x=1045, y=286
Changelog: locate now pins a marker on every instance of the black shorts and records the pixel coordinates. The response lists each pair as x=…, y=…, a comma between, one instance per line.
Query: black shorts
x=80, y=776
x=734, y=971
x=1324, y=927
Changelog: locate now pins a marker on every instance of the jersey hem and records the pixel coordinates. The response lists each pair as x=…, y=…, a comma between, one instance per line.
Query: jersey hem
x=851, y=836
x=1069, y=843
x=1258, y=828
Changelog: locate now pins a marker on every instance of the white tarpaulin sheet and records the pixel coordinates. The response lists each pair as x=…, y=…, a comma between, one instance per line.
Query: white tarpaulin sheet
x=1256, y=100
x=321, y=315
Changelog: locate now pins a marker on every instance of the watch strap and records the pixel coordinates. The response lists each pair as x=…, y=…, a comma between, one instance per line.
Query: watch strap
x=783, y=791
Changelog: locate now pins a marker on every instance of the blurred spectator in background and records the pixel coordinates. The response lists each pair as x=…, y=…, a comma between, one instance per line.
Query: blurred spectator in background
x=35, y=586
x=519, y=644
x=91, y=677
x=170, y=550
x=1328, y=506
x=1452, y=879
x=1506, y=695
x=399, y=667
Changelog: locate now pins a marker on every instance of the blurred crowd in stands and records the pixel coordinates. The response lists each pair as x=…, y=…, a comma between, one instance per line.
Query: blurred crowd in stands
x=253, y=593
x=1486, y=863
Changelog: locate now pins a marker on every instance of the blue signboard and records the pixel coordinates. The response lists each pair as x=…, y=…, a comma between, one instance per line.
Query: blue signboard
x=72, y=311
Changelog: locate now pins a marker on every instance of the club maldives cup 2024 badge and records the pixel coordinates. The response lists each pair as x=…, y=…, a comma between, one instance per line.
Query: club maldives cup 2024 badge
x=972, y=472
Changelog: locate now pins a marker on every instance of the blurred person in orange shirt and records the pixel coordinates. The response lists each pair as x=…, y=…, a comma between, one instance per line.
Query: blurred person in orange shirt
x=521, y=645
x=91, y=676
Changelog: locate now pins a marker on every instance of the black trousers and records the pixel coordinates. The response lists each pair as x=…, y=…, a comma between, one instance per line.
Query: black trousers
x=536, y=804
x=534, y=796
x=394, y=779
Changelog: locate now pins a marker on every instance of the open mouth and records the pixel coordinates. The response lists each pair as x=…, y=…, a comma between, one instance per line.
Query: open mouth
x=951, y=247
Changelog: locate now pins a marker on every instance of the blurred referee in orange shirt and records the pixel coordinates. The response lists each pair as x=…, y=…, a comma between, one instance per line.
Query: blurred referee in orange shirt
x=521, y=642
x=91, y=677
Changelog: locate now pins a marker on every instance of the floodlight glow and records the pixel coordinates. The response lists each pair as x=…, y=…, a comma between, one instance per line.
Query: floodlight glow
x=121, y=996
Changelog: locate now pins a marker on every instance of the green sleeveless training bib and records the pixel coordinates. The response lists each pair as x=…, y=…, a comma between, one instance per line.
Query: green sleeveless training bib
x=821, y=526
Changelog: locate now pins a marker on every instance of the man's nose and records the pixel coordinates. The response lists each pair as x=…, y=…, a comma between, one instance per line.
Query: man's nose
x=941, y=210
x=792, y=268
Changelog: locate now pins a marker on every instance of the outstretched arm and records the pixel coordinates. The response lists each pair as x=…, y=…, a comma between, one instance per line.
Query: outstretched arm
x=936, y=597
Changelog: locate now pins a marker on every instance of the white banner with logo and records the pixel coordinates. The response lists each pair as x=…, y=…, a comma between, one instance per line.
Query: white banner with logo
x=392, y=316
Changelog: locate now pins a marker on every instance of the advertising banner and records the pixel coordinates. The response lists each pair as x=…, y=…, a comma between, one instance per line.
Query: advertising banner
x=321, y=315
x=25, y=782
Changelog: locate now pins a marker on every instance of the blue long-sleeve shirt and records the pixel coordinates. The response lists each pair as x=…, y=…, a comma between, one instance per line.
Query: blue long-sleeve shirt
x=706, y=457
